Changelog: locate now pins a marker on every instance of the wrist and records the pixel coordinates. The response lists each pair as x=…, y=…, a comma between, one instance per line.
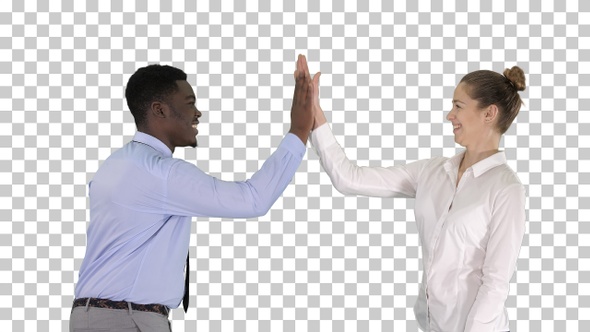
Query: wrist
x=319, y=120
x=301, y=133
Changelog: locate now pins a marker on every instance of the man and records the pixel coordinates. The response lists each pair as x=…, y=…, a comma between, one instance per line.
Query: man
x=142, y=201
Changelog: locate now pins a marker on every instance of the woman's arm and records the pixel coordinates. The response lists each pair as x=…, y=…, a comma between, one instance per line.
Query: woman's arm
x=507, y=229
x=348, y=178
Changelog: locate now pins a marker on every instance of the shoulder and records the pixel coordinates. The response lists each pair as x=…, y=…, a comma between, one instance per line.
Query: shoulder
x=507, y=185
x=432, y=164
x=506, y=176
x=437, y=160
x=143, y=159
x=424, y=169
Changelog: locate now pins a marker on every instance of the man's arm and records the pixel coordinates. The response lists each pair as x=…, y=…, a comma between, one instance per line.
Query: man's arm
x=192, y=192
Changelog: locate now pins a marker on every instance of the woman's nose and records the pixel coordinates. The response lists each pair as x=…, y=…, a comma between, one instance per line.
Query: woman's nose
x=450, y=115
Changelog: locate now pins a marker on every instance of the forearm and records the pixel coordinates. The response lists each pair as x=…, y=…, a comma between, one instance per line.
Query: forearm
x=191, y=192
x=319, y=117
x=276, y=173
x=333, y=160
x=351, y=179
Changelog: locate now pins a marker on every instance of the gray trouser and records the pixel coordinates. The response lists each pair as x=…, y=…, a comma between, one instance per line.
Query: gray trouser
x=91, y=319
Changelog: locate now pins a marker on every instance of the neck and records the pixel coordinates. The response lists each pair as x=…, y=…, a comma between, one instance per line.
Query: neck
x=485, y=147
x=473, y=157
x=147, y=130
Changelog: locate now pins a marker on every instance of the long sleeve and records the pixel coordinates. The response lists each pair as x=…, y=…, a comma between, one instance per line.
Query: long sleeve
x=348, y=178
x=191, y=192
x=507, y=229
x=141, y=204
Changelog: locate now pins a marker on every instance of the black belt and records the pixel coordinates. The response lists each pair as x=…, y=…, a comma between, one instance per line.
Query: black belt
x=108, y=304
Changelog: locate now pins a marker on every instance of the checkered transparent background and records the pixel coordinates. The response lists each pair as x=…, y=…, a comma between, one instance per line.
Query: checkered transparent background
x=317, y=260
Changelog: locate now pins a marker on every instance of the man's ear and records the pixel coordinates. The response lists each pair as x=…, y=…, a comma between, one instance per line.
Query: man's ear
x=157, y=109
x=491, y=113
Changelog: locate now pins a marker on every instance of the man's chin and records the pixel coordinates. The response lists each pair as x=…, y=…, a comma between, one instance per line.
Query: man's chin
x=192, y=144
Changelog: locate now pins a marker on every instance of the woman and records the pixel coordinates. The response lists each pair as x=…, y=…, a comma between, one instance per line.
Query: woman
x=470, y=208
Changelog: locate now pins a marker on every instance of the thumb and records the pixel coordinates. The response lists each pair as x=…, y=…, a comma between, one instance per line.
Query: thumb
x=316, y=86
x=316, y=78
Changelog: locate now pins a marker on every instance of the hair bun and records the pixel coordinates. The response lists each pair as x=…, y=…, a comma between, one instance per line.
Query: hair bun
x=516, y=76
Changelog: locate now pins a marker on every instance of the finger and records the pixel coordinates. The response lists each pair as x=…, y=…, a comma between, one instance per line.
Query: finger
x=299, y=86
x=296, y=72
x=309, y=95
x=303, y=97
x=307, y=75
x=304, y=64
x=302, y=68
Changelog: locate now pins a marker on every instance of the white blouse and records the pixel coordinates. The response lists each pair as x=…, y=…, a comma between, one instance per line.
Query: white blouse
x=470, y=234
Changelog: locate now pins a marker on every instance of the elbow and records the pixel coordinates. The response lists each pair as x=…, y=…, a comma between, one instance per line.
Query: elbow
x=252, y=211
x=260, y=204
x=344, y=190
x=346, y=177
x=342, y=185
x=260, y=210
x=253, y=203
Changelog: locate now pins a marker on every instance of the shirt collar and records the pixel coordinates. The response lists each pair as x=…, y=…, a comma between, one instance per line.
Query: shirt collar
x=481, y=166
x=152, y=142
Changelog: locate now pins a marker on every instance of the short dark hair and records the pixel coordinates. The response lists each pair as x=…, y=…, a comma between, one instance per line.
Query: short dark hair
x=149, y=84
x=489, y=87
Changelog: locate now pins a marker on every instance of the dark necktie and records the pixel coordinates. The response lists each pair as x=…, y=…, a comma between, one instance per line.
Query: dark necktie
x=185, y=298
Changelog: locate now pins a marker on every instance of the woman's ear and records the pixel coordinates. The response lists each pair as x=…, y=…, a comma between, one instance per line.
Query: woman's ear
x=491, y=113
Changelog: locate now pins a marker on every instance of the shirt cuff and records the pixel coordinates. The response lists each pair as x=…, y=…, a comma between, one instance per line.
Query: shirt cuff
x=293, y=144
x=322, y=137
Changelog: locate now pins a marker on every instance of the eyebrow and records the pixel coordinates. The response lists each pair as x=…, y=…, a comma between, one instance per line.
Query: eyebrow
x=191, y=97
x=458, y=101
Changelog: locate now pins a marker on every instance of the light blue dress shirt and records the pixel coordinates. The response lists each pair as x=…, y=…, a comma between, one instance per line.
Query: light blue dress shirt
x=141, y=204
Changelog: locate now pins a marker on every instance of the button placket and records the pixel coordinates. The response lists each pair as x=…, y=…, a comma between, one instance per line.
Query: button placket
x=435, y=240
